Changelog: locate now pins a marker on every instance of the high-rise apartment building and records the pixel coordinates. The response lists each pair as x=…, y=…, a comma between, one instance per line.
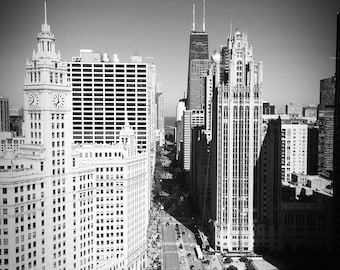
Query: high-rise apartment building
x=4, y=114
x=236, y=145
x=294, y=135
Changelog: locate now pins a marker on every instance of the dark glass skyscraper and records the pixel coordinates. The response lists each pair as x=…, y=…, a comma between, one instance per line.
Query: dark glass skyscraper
x=198, y=66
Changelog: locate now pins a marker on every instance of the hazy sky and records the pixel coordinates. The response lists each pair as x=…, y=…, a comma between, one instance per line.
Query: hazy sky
x=295, y=39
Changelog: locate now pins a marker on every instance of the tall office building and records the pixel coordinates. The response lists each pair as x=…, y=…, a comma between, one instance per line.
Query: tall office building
x=294, y=135
x=198, y=65
x=336, y=152
x=326, y=126
x=236, y=145
x=105, y=95
x=327, y=92
x=4, y=114
x=197, y=70
x=108, y=94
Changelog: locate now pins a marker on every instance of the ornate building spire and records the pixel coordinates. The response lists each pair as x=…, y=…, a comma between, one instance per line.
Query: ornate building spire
x=46, y=41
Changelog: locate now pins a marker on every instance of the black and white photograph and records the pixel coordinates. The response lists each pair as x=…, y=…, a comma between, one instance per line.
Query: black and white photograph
x=169, y=134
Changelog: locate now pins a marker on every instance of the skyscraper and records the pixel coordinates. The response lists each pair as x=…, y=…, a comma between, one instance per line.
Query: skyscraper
x=236, y=145
x=197, y=70
x=326, y=126
x=294, y=135
x=106, y=94
x=198, y=65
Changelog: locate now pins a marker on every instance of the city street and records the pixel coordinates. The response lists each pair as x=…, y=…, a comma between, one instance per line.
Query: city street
x=178, y=244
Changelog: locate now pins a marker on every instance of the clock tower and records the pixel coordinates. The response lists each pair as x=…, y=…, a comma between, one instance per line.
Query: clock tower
x=48, y=135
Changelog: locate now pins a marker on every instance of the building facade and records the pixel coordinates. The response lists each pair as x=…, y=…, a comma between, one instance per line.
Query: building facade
x=121, y=212
x=267, y=189
x=236, y=145
x=294, y=136
x=105, y=95
x=294, y=110
x=160, y=134
x=326, y=126
x=9, y=142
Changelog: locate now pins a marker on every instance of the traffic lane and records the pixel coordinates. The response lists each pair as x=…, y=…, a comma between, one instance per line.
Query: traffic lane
x=169, y=235
x=170, y=260
x=169, y=247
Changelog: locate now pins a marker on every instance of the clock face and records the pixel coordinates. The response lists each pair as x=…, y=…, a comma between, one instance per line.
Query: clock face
x=33, y=101
x=58, y=101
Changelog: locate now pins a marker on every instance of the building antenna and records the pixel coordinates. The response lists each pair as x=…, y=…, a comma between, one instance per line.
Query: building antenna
x=231, y=22
x=45, y=12
x=193, y=17
x=203, y=15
